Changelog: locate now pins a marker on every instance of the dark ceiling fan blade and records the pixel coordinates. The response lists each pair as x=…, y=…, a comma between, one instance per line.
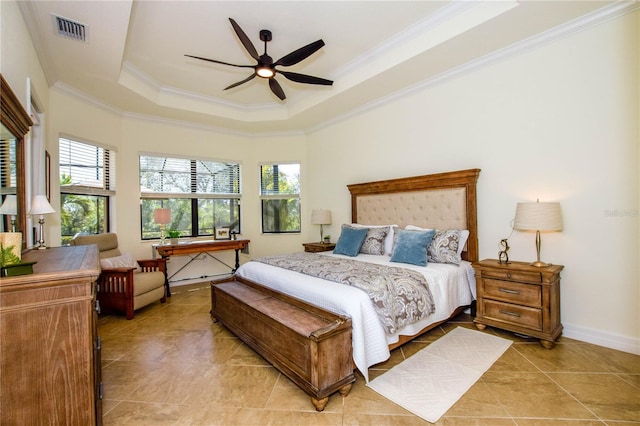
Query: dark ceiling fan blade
x=308, y=79
x=245, y=40
x=240, y=82
x=277, y=89
x=300, y=54
x=220, y=62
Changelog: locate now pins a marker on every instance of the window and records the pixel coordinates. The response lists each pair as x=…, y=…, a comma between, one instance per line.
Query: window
x=87, y=180
x=202, y=194
x=280, y=195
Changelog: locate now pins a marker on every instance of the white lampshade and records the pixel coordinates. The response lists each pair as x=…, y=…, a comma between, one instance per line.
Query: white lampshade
x=538, y=217
x=40, y=205
x=321, y=217
x=162, y=216
x=10, y=205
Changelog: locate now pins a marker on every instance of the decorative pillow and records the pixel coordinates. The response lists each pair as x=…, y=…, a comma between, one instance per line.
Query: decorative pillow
x=123, y=261
x=388, y=241
x=411, y=247
x=350, y=240
x=374, y=241
x=444, y=247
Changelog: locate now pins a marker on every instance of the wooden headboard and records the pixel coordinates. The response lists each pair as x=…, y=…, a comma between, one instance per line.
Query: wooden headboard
x=439, y=201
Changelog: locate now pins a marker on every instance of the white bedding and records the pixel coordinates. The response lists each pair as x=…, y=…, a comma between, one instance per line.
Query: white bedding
x=451, y=285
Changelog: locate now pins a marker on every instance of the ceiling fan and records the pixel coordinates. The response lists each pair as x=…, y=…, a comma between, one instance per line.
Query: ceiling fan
x=266, y=68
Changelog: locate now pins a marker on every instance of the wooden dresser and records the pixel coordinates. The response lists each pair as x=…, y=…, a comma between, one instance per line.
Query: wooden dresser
x=49, y=350
x=519, y=297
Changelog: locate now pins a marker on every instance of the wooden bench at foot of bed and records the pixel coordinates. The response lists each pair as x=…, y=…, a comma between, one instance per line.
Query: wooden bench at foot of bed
x=309, y=345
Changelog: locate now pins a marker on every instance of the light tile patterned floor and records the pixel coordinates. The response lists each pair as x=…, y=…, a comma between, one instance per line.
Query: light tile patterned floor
x=172, y=365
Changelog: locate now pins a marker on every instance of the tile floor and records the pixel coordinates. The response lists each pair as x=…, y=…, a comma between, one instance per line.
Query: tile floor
x=172, y=365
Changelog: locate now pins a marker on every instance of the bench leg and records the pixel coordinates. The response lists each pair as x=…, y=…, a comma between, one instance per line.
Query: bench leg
x=320, y=403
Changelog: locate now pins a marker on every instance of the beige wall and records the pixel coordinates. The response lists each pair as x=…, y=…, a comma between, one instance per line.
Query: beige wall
x=559, y=123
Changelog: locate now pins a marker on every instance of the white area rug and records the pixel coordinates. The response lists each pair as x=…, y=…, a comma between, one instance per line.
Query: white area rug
x=431, y=381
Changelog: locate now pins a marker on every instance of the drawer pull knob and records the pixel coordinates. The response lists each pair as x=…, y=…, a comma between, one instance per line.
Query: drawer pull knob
x=508, y=275
x=508, y=290
x=511, y=314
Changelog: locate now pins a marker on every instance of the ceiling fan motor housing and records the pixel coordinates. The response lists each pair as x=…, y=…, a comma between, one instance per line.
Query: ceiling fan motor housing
x=265, y=35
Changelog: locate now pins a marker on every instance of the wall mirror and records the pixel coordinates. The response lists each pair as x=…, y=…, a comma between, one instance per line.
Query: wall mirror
x=15, y=125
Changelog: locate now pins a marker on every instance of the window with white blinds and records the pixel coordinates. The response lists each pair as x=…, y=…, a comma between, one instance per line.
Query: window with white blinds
x=87, y=182
x=178, y=176
x=280, y=198
x=86, y=168
x=201, y=194
x=8, y=176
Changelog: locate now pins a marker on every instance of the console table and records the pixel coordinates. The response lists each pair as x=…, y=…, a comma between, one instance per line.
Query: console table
x=197, y=247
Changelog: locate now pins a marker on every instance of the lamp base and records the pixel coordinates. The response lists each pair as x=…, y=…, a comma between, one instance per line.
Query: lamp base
x=539, y=264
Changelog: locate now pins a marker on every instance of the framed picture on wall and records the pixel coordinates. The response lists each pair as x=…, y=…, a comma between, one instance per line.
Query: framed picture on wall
x=222, y=234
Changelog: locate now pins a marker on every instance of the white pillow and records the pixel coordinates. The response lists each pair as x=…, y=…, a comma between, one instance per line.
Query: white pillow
x=388, y=240
x=464, y=235
x=122, y=261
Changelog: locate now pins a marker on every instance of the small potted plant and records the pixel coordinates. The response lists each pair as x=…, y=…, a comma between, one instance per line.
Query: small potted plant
x=327, y=239
x=173, y=235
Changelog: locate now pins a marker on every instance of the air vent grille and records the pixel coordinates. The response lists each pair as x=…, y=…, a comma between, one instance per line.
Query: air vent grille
x=70, y=29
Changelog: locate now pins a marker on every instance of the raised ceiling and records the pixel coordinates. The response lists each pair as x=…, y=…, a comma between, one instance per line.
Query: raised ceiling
x=133, y=60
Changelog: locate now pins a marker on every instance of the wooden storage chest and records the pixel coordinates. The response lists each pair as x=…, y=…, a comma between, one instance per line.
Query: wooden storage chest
x=309, y=345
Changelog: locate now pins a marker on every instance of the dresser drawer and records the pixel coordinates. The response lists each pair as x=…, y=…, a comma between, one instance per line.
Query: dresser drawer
x=513, y=314
x=512, y=275
x=507, y=291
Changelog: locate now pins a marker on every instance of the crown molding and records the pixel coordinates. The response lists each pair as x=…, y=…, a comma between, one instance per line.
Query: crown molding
x=583, y=23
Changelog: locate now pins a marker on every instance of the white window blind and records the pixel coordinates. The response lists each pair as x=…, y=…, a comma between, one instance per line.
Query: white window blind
x=8, y=179
x=176, y=176
x=86, y=168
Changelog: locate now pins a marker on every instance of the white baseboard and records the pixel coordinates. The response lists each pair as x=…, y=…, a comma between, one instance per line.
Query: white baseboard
x=613, y=341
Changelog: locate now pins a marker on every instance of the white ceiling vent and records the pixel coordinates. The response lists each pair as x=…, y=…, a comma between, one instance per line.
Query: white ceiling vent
x=70, y=29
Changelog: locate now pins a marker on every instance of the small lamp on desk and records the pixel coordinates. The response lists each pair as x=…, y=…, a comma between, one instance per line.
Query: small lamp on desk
x=10, y=207
x=162, y=217
x=538, y=217
x=321, y=217
x=40, y=206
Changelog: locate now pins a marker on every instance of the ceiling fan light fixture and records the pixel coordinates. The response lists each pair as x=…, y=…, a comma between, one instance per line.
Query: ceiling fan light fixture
x=265, y=71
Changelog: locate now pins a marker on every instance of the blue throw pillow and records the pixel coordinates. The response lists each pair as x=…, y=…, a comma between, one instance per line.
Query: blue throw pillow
x=350, y=241
x=411, y=247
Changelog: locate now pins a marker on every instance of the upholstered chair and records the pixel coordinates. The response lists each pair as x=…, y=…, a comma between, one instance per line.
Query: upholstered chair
x=125, y=284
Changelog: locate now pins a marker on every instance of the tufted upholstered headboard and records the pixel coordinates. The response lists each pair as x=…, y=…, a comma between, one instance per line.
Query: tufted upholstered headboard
x=440, y=201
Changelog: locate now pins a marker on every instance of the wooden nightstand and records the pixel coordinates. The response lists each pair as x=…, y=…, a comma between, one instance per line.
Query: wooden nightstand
x=519, y=297
x=318, y=247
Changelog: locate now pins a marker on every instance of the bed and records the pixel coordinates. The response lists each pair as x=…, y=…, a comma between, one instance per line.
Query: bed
x=443, y=201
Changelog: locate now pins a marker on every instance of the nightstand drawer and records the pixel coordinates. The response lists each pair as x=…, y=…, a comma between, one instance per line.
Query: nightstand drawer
x=507, y=291
x=513, y=275
x=513, y=314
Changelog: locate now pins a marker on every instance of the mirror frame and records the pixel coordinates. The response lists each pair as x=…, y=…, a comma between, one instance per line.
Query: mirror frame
x=16, y=119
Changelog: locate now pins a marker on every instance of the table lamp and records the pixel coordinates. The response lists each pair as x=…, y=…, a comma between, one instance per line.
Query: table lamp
x=538, y=217
x=162, y=217
x=40, y=206
x=321, y=217
x=10, y=207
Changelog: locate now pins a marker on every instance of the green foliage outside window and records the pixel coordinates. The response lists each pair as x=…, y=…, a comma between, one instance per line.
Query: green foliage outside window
x=280, y=195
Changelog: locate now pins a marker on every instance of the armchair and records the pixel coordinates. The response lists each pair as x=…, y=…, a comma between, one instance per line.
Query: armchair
x=124, y=287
